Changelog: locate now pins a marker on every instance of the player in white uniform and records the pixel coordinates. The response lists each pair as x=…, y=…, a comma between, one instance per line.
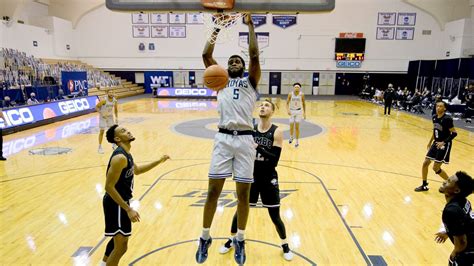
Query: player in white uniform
x=296, y=108
x=234, y=148
x=106, y=108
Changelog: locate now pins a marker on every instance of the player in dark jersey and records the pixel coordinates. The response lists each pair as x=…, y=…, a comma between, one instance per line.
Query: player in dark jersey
x=119, y=187
x=269, y=139
x=458, y=219
x=439, y=150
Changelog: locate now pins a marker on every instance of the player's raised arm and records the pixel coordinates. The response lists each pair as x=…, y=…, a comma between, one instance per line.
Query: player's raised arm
x=254, y=65
x=208, y=50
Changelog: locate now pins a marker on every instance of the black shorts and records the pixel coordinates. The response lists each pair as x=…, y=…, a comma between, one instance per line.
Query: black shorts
x=268, y=190
x=439, y=155
x=463, y=259
x=116, y=218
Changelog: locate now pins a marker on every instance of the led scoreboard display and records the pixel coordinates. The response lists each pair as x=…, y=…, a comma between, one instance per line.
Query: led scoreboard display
x=349, y=50
x=350, y=56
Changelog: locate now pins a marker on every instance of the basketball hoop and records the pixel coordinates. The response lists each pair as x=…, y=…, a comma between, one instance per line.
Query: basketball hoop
x=220, y=21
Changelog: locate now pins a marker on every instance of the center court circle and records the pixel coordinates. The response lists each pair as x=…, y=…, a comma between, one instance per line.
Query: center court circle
x=201, y=128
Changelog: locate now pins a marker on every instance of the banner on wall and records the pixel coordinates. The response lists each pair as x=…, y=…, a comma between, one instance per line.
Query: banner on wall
x=30, y=114
x=385, y=33
x=159, y=18
x=406, y=19
x=72, y=81
x=141, y=31
x=263, y=39
x=405, y=33
x=194, y=18
x=177, y=18
x=258, y=20
x=140, y=18
x=386, y=18
x=159, y=31
x=177, y=32
x=163, y=79
x=284, y=21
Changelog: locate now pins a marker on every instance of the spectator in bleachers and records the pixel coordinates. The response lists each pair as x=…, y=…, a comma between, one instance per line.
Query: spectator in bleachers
x=32, y=100
x=7, y=103
x=469, y=104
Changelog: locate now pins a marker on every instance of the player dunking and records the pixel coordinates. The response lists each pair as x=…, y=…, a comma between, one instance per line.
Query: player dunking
x=296, y=108
x=106, y=108
x=439, y=150
x=119, y=188
x=234, y=150
x=269, y=139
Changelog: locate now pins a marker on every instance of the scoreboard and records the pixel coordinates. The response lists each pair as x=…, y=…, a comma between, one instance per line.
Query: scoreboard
x=350, y=56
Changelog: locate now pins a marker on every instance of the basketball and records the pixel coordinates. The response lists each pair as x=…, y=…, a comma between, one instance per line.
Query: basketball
x=215, y=77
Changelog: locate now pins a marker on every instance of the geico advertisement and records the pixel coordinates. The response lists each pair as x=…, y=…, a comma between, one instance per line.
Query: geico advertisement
x=186, y=92
x=23, y=115
x=16, y=145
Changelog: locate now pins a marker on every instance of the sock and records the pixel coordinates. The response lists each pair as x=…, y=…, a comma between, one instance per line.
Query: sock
x=425, y=183
x=284, y=241
x=205, y=233
x=240, y=235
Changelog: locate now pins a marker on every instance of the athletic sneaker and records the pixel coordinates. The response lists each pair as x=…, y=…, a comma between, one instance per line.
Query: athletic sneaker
x=100, y=150
x=114, y=146
x=201, y=253
x=226, y=247
x=297, y=144
x=287, y=254
x=290, y=140
x=422, y=188
x=239, y=251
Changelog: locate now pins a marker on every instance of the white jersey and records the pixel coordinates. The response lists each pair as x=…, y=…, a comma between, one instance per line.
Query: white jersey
x=107, y=109
x=296, y=101
x=235, y=104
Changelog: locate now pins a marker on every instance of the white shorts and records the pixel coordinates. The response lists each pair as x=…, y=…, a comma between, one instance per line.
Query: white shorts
x=106, y=123
x=296, y=116
x=233, y=156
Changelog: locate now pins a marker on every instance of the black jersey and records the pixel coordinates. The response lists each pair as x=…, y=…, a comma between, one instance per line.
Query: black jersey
x=441, y=127
x=458, y=219
x=264, y=139
x=124, y=185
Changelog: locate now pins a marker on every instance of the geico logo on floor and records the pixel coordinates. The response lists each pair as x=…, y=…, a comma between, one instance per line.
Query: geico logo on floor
x=191, y=92
x=72, y=106
x=17, y=117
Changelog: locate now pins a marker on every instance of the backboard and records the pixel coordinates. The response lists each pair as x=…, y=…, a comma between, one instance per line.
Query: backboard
x=254, y=6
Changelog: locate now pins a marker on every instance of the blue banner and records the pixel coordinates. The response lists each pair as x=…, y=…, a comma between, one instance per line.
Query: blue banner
x=258, y=20
x=30, y=114
x=163, y=79
x=73, y=81
x=186, y=92
x=284, y=21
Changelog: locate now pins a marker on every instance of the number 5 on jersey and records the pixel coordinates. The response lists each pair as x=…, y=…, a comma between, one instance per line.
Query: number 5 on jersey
x=236, y=94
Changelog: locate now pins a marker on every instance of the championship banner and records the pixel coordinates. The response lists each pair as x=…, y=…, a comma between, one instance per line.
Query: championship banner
x=141, y=31
x=258, y=20
x=139, y=18
x=159, y=18
x=263, y=39
x=284, y=21
x=405, y=33
x=385, y=33
x=72, y=81
x=186, y=92
x=194, y=18
x=158, y=79
x=30, y=114
x=387, y=18
x=406, y=19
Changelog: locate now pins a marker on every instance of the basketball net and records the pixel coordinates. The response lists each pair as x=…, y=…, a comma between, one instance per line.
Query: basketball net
x=223, y=22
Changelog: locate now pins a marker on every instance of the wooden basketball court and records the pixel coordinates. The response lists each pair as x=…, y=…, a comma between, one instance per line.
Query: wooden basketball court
x=347, y=192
